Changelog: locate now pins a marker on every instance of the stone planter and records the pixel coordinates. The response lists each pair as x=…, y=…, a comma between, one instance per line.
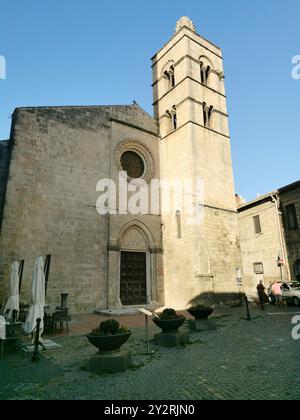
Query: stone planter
x=110, y=358
x=201, y=321
x=109, y=343
x=170, y=336
x=202, y=314
x=169, y=325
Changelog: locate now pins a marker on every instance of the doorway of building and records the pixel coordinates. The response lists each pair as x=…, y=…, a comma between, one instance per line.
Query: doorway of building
x=133, y=278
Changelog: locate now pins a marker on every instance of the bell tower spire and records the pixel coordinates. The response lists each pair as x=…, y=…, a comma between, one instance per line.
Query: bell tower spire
x=185, y=21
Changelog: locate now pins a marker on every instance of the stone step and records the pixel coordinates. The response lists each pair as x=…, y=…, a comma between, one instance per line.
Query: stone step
x=132, y=310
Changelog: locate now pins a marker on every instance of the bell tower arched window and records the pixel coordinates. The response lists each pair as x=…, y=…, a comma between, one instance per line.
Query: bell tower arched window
x=174, y=118
x=170, y=76
x=207, y=115
x=204, y=73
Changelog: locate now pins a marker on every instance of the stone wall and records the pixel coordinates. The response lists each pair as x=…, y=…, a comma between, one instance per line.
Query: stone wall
x=264, y=247
x=291, y=195
x=58, y=157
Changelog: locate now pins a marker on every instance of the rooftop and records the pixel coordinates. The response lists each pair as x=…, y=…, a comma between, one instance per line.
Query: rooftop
x=267, y=197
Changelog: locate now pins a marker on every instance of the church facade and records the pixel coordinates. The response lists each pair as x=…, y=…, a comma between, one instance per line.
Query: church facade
x=57, y=160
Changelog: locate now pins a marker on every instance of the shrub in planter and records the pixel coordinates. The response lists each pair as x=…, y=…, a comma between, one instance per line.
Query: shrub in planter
x=109, y=327
x=169, y=314
x=110, y=336
x=169, y=321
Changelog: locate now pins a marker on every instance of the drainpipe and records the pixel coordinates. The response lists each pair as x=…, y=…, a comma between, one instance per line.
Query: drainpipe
x=275, y=199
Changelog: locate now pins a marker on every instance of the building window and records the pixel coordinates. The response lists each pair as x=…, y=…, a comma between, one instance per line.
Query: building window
x=204, y=73
x=258, y=268
x=173, y=118
x=291, y=217
x=170, y=76
x=207, y=114
x=257, y=225
x=297, y=269
x=174, y=121
x=133, y=164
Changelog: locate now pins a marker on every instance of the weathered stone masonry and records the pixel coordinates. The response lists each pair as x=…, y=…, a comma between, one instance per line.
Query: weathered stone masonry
x=59, y=155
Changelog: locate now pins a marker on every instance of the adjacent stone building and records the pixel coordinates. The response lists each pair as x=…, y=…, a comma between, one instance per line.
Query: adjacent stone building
x=270, y=237
x=290, y=208
x=58, y=155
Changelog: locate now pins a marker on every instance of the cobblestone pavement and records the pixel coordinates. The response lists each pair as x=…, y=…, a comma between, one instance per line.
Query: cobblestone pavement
x=240, y=360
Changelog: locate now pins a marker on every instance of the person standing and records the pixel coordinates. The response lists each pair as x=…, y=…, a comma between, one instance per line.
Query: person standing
x=261, y=294
x=276, y=289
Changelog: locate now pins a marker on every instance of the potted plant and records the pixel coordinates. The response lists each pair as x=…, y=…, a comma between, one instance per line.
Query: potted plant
x=109, y=336
x=200, y=312
x=169, y=321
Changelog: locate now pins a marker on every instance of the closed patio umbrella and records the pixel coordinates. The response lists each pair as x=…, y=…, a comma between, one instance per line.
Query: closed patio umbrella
x=13, y=302
x=38, y=298
x=2, y=328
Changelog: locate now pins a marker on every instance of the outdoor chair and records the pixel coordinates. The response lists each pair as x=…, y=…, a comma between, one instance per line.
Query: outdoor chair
x=60, y=317
x=48, y=322
x=23, y=312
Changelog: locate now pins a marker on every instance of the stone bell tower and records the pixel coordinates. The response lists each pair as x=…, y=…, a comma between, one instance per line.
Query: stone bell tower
x=190, y=106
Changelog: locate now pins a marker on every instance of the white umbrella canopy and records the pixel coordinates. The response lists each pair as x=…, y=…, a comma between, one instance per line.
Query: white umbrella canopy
x=13, y=303
x=2, y=328
x=38, y=298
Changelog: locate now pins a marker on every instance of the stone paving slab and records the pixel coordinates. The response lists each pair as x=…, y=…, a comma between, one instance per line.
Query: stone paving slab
x=241, y=360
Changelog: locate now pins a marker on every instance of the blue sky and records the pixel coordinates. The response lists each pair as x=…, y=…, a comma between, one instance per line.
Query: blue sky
x=66, y=52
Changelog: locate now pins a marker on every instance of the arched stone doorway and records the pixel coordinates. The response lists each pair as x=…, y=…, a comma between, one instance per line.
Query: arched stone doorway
x=133, y=267
x=135, y=283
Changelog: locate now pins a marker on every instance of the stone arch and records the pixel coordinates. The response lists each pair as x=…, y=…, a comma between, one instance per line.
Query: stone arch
x=168, y=75
x=136, y=258
x=138, y=147
x=206, y=61
x=141, y=231
x=167, y=66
